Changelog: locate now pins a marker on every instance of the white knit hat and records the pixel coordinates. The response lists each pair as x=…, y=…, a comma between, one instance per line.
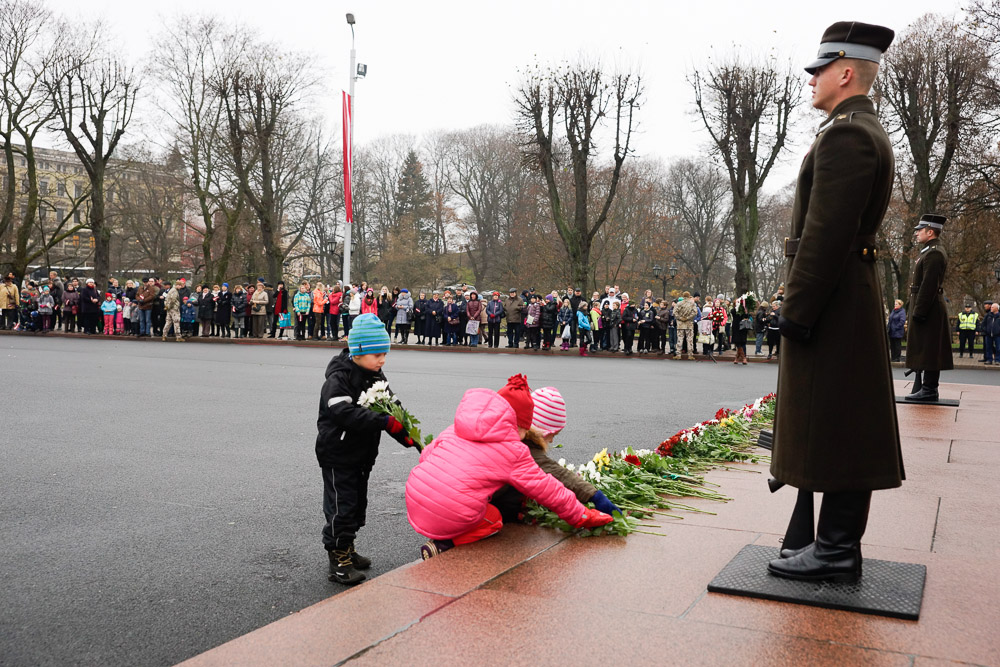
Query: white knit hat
x=550, y=410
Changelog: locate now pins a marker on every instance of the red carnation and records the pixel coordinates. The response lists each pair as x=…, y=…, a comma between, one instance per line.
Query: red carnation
x=633, y=459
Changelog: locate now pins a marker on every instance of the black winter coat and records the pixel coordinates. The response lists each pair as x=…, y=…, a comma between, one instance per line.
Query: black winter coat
x=239, y=302
x=550, y=313
x=223, y=308
x=87, y=295
x=629, y=318
x=206, y=306
x=348, y=433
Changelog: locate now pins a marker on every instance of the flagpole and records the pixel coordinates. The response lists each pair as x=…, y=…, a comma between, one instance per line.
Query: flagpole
x=349, y=179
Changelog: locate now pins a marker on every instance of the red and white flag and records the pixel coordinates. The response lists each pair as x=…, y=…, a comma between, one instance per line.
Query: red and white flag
x=348, y=161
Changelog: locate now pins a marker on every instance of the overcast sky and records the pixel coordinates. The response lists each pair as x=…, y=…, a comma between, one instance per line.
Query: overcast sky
x=436, y=65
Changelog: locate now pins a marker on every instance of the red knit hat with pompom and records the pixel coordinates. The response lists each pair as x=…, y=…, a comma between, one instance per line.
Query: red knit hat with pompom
x=518, y=394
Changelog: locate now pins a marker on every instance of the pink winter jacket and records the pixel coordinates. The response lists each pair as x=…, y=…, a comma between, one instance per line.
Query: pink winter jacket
x=447, y=492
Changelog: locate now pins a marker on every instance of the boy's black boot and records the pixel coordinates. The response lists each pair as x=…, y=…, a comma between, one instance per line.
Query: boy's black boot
x=342, y=570
x=360, y=562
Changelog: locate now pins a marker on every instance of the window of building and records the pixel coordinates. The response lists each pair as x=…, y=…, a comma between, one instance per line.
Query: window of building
x=77, y=190
x=91, y=243
x=111, y=196
x=42, y=213
x=75, y=241
x=43, y=186
x=76, y=216
x=60, y=215
x=61, y=189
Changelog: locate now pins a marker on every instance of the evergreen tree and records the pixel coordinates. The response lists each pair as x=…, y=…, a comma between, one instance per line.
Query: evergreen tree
x=414, y=210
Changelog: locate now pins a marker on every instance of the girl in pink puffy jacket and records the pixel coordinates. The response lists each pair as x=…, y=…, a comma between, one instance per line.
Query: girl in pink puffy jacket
x=448, y=492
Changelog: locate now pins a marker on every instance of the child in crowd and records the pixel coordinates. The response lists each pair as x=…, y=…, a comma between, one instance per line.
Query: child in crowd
x=448, y=493
x=533, y=323
x=301, y=304
x=548, y=421
x=348, y=441
x=119, y=318
x=189, y=313
x=566, y=315
x=46, y=306
x=110, y=309
x=127, y=309
x=584, y=327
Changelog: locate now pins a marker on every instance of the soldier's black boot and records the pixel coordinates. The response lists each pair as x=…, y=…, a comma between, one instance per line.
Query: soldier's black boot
x=360, y=562
x=801, y=528
x=836, y=554
x=928, y=392
x=917, y=382
x=342, y=570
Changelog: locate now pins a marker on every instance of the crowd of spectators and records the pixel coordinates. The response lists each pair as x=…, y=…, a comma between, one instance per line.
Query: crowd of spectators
x=609, y=321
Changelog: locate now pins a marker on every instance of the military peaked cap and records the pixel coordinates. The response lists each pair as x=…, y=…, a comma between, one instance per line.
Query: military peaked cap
x=852, y=39
x=932, y=221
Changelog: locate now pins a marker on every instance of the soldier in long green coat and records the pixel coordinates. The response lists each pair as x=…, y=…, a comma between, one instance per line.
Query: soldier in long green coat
x=835, y=429
x=928, y=338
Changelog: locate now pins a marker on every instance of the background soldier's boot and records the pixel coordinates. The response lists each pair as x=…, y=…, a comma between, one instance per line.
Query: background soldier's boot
x=836, y=554
x=359, y=561
x=918, y=377
x=342, y=570
x=929, y=388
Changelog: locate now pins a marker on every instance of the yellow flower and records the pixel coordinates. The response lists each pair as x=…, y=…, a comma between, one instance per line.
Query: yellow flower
x=602, y=459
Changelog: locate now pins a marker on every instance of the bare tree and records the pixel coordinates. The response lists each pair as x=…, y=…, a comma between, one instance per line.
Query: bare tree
x=745, y=105
x=935, y=88
x=488, y=177
x=561, y=111
x=186, y=59
x=637, y=234
x=316, y=204
x=93, y=97
x=146, y=207
x=28, y=40
x=769, y=254
x=436, y=157
x=698, y=198
x=260, y=91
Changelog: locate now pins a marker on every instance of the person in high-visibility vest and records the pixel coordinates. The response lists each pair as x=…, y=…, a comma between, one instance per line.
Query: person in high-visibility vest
x=967, y=322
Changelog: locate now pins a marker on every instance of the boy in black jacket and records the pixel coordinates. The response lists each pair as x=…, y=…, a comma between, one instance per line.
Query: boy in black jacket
x=347, y=443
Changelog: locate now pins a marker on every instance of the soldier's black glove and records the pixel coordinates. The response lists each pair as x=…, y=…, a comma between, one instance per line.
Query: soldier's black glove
x=919, y=319
x=793, y=330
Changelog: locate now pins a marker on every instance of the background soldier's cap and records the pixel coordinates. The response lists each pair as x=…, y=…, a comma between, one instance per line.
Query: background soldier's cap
x=932, y=221
x=852, y=39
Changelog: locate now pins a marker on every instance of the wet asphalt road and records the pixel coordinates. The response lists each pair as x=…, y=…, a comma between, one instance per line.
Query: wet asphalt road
x=157, y=500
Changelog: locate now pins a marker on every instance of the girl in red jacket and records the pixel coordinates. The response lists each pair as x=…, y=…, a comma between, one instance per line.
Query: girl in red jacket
x=448, y=492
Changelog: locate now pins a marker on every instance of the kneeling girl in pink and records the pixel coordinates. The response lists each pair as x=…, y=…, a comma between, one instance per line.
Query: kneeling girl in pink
x=448, y=492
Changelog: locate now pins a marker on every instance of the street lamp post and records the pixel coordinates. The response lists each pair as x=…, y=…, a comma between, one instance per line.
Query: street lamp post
x=662, y=277
x=352, y=76
x=673, y=272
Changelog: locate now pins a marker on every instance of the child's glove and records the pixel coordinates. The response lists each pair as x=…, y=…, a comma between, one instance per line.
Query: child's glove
x=394, y=427
x=602, y=503
x=592, y=519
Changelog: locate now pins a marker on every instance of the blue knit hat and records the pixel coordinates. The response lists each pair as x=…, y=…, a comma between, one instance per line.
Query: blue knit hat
x=368, y=336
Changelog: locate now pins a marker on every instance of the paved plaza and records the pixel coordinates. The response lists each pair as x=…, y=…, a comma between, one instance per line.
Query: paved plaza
x=160, y=499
